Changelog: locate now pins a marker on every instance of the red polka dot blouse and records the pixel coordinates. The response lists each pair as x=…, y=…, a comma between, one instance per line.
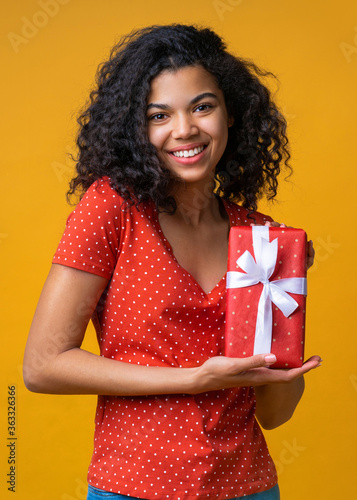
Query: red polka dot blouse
x=153, y=312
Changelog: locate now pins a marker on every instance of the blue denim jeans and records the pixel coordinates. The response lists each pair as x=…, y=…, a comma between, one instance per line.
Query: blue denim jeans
x=95, y=494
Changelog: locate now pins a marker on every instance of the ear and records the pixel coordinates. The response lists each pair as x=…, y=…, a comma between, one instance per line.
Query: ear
x=230, y=121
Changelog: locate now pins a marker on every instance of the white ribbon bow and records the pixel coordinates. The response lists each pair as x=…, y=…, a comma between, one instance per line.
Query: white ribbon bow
x=260, y=270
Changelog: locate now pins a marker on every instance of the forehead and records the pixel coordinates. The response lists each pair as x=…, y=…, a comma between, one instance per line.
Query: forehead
x=188, y=81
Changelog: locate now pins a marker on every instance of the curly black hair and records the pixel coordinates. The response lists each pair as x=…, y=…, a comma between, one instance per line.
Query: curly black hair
x=112, y=139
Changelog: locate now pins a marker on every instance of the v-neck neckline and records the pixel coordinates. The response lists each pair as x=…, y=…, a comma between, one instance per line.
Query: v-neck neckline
x=165, y=242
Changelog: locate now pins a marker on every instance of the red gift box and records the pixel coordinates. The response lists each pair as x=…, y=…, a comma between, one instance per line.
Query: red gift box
x=266, y=293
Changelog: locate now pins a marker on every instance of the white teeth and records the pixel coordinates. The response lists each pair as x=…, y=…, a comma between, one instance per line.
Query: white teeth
x=188, y=153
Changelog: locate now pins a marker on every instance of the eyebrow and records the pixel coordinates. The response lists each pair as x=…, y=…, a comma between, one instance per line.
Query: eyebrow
x=193, y=101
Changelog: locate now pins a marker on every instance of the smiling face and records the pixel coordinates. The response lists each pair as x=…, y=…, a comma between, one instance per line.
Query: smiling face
x=188, y=122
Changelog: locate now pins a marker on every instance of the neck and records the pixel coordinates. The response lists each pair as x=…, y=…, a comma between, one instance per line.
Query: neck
x=196, y=203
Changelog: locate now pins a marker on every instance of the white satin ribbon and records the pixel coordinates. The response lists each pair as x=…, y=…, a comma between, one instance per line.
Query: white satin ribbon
x=260, y=270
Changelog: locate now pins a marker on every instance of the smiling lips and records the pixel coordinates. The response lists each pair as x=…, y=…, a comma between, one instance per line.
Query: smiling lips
x=188, y=155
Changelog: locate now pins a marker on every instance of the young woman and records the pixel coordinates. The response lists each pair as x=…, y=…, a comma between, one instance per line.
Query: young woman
x=177, y=131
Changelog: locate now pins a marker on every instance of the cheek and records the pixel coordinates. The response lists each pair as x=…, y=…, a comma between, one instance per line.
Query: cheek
x=157, y=136
x=220, y=133
x=218, y=127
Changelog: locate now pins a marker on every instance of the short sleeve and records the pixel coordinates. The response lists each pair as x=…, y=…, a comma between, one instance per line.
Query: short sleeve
x=240, y=216
x=91, y=238
x=261, y=218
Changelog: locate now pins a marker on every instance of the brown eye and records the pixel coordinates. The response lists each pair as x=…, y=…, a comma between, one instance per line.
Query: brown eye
x=157, y=117
x=203, y=107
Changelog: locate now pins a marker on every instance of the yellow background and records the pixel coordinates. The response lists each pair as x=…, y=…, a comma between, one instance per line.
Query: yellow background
x=47, y=72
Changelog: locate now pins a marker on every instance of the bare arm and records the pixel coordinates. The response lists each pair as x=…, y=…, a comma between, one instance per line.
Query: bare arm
x=276, y=403
x=55, y=363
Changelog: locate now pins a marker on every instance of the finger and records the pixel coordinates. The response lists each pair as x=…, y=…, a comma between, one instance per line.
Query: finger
x=308, y=365
x=275, y=224
x=310, y=254
x=256, y=361
x=312, y=362
x=272, y=224
x=310, y=248
x=313, y=358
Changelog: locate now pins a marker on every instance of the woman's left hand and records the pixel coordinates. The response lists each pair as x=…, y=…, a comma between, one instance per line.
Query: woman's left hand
x=310, y=246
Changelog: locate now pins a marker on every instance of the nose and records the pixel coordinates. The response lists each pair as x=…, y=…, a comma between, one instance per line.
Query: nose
x=184, y=127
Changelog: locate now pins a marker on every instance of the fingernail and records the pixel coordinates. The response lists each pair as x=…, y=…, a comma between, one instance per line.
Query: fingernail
x=282, y=225
x=270, y=358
